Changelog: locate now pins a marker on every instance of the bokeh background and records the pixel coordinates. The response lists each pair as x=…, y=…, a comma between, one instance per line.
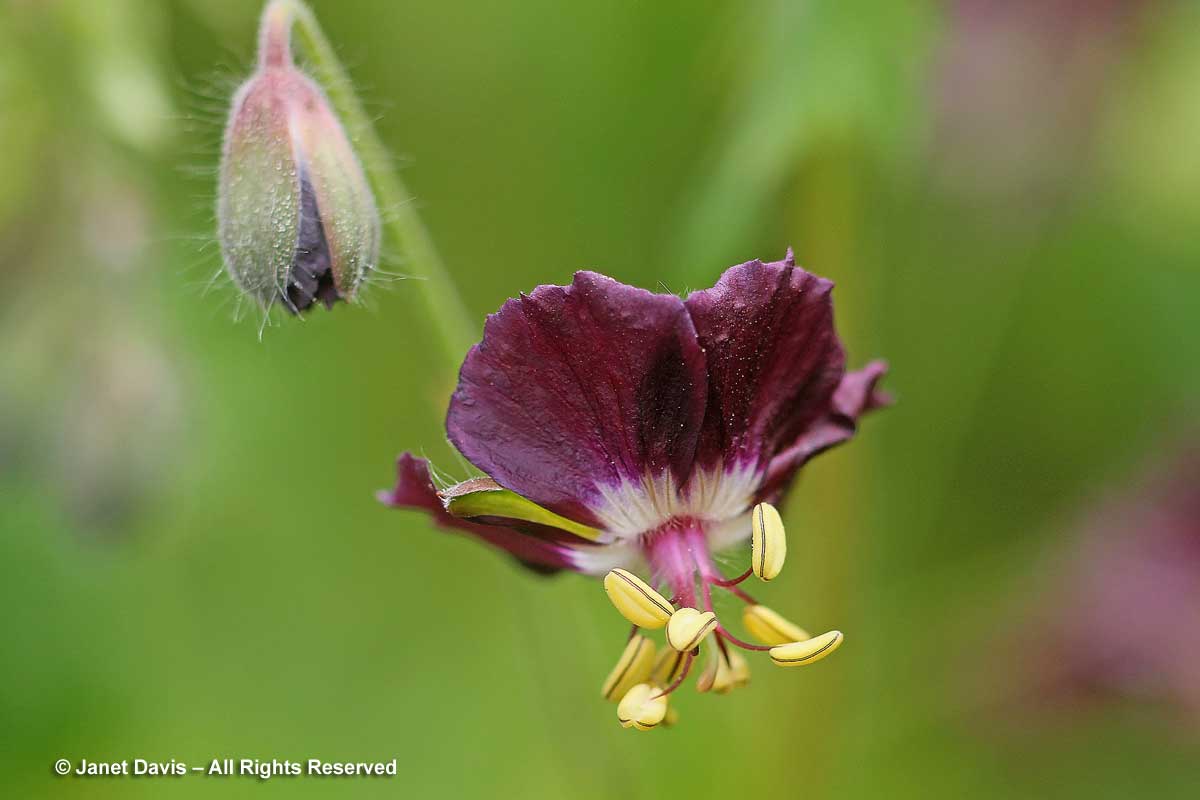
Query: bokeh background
x=192, y=564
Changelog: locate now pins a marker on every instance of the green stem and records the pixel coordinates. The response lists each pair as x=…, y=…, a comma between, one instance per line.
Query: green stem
x=455, y=329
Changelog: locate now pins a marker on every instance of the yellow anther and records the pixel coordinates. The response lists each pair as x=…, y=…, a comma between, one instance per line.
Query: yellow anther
x=636, y=601
x=739, y=669
x=717, y=675
x=795, y=654
x=668, y=666
x=770, y=628
x=768, y=542
x=643, y=707
x=687, y=627
x=633, y=667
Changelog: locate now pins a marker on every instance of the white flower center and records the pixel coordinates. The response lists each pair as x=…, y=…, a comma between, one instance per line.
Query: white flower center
x=712, y=496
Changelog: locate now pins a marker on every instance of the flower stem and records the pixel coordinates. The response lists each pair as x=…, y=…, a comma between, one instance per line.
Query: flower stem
x=440, y=297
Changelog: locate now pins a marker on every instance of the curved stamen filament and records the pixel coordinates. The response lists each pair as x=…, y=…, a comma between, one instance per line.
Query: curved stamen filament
x=728, y=583
x=683, y=673
x=736, y=642
x=721, y=644
x=740, y=594
x=709, y=574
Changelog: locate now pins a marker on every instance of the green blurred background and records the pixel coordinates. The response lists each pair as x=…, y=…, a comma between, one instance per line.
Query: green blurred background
x=192, y=564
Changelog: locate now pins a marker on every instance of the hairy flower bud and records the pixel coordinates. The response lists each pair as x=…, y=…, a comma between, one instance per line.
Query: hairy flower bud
x=297, y=221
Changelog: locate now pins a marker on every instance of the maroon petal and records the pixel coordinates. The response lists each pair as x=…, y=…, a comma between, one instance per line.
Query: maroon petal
x=774, y=360
x=855, y=395
x=414, y=489
x=592, y=383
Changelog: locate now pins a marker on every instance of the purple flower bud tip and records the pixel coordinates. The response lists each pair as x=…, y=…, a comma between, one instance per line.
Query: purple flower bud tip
x=296, y=217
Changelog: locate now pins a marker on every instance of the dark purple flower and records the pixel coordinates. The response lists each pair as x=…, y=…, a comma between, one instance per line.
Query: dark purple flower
x=621, y=429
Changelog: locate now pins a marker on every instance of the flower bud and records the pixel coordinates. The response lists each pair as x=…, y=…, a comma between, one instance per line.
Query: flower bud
x=296, y=218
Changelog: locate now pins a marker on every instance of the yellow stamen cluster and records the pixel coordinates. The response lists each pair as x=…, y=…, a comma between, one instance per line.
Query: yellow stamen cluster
x=644, y=675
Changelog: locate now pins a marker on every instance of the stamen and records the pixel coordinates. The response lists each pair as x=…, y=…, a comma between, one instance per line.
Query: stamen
x=675, y=684
x=711, y=576
x=797, y=654
x=739, y=668
x=717, y=675
x=636, y=601
x=732, y=582
x=641, y=708
x=768, y=542
x=736, y=642
x=670, y=663
x=634, y=667
x=738, y=592
x=688, y=627
x=770, y=628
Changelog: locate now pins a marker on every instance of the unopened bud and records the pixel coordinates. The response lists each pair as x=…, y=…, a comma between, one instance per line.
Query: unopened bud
x=296, y=218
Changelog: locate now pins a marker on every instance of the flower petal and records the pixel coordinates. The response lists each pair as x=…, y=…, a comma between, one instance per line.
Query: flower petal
x=774, y=360
x=414, y=489
x=592, y=384
x=855, y=395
